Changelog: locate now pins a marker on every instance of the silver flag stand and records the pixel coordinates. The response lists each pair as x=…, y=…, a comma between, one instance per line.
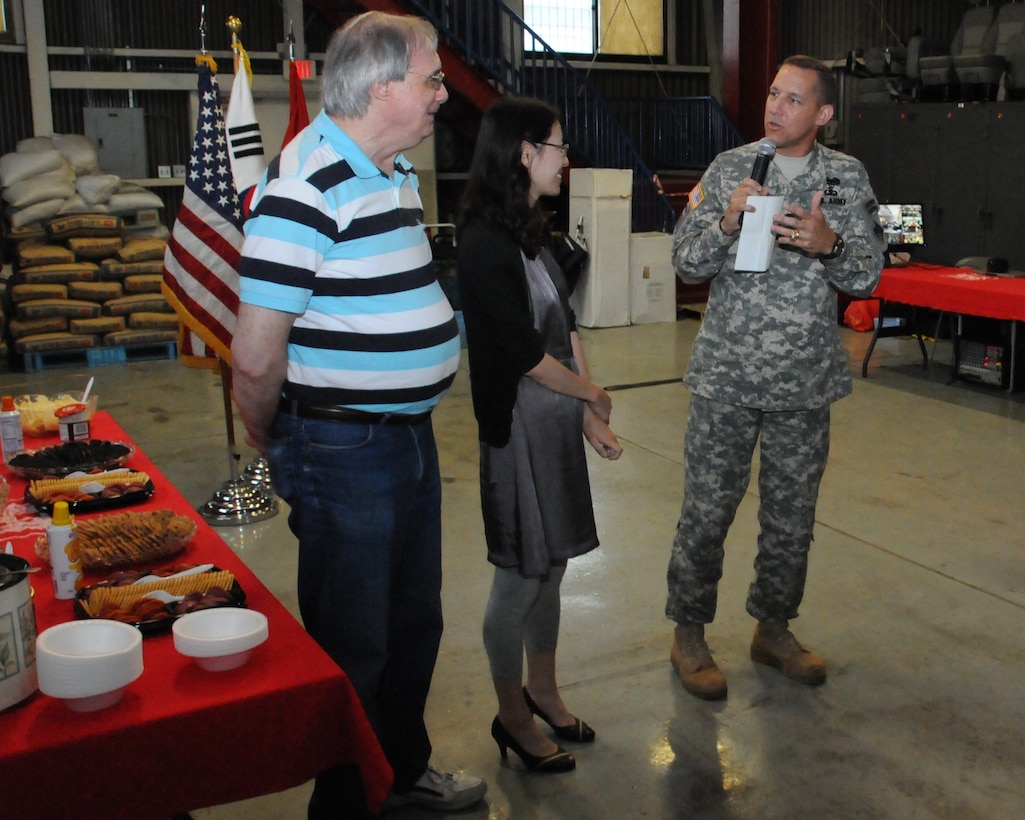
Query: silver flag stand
x=243, y=499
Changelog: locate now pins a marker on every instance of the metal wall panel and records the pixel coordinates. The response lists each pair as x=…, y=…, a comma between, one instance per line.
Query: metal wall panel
x=108, y=24
x=647, y=85
x=15, y=108
x=168, y=142
x=824, y=28
x=691, y=45
x=829, y=29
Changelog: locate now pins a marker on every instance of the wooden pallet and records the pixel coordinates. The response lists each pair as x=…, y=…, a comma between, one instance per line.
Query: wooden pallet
x=97, y=356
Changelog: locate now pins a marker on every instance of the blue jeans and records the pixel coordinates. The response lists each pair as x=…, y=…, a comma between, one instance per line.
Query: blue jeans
x=366, y=507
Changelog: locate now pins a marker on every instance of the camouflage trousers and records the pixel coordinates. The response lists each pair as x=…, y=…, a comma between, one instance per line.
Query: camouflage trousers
x=718, y=447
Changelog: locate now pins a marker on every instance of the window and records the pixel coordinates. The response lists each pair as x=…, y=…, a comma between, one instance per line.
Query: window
x=622, y=27
x=566, y=25
x=631, y=27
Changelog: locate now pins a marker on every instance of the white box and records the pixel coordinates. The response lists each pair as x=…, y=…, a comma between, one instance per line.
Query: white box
x=601, y=182
x=757, y=242
x=599, y=205
x=652, y=280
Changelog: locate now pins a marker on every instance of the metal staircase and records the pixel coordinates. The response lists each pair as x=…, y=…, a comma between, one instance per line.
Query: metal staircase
x=681, y=132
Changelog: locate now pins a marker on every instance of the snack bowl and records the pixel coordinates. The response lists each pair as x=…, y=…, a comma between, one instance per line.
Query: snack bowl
x=88, y=664
x=219, y=639
x=38, y=411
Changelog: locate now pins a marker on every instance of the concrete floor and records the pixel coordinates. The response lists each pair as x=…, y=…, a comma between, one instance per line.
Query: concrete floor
x=915, y=597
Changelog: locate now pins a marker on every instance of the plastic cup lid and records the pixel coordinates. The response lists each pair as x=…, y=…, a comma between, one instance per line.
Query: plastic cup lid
x=69, y=410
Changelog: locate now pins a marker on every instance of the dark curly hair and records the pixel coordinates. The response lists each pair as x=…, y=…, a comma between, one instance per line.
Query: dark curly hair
x=498, y=185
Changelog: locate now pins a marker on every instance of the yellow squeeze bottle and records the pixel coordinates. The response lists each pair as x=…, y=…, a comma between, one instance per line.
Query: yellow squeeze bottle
x=60, y=536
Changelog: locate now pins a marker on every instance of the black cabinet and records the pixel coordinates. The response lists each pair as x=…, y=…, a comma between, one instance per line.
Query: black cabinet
x=1004, y=214
x=962, y=161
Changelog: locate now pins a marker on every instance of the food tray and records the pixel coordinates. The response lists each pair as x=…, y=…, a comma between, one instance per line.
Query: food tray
x=130, y=539
x=120, y=590
x=120, y=489
x=71, y=457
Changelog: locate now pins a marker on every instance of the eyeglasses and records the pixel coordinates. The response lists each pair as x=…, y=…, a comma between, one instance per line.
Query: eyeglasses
x=436, y=79
x=563, y=148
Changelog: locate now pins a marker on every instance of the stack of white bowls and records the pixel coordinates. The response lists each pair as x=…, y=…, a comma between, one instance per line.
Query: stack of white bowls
x=88, y=664
x=220, y=639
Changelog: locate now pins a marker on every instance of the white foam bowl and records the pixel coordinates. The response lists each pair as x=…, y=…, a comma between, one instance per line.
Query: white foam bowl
x=88, y=664
x=220, y=639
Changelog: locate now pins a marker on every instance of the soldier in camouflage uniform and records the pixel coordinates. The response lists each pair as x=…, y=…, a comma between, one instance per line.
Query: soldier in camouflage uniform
x=766, y=365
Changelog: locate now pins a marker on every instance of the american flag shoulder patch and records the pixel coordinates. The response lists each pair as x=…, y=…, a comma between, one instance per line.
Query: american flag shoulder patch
x=696, y=196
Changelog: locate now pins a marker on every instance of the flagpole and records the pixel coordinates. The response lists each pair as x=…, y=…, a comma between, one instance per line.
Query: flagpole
x=234, y=456
x=234, y=26
x=202, y=28
x=238, y=501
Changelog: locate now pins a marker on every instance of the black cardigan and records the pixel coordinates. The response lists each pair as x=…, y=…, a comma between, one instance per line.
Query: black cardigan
x=502, y=343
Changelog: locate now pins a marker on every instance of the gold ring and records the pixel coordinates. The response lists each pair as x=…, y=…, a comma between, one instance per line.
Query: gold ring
x=795, y=234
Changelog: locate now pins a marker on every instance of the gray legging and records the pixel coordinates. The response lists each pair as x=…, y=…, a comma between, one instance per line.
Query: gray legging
x=522, y=612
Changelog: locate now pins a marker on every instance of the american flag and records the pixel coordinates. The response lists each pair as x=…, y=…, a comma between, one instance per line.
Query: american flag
x=202, y=256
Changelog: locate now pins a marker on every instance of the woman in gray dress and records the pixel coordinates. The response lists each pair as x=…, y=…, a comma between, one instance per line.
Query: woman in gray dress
x=534, y=404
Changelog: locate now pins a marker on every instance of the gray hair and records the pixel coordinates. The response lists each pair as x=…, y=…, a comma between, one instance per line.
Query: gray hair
x=372, y=47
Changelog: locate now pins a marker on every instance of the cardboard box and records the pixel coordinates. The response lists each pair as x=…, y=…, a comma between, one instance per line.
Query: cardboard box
x=652, y=281
x=599, y=206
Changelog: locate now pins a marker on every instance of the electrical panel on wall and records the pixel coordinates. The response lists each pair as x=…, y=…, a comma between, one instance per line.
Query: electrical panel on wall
x=120, y=137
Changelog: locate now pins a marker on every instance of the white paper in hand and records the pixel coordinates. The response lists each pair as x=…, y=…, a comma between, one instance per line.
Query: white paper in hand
x=754, y=250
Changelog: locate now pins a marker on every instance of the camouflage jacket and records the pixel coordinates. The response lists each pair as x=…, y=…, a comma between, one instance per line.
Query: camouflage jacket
x=771, y=340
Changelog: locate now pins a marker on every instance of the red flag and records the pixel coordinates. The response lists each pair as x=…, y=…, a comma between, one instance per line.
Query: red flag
x=202, y=256
x=298, y=115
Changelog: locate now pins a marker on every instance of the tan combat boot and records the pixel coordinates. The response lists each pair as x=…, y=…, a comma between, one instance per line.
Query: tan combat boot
x=775, y=645
x=693, y=663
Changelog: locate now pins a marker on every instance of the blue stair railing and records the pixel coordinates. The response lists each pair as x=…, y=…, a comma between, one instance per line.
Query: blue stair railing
x=498, y=43
x=677, y=133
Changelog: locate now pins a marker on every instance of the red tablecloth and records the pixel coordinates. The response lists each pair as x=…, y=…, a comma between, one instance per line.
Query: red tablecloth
x=181, y=738
x=954, y=290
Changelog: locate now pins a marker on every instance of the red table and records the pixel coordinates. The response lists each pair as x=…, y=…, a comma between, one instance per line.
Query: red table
x=953, y=291
x=181, y=738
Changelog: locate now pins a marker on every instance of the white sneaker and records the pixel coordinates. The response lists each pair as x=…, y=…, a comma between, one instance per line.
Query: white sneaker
x=441, y=791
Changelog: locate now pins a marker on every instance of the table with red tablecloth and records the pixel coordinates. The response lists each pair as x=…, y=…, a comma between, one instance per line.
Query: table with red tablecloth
x=954, y=291
x=181, y=738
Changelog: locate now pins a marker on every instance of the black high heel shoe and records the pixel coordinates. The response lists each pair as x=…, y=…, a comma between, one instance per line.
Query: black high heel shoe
x=575, y=732
x=559, y=761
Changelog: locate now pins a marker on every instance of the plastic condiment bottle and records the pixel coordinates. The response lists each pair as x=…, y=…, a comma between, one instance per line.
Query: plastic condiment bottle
x=60, y=535
x=11, y=440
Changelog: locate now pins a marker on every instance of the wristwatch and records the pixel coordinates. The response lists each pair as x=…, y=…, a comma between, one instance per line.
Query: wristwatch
x=837, y=249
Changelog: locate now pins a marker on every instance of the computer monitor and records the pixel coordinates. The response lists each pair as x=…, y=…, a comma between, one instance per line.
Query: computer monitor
x=902, y=227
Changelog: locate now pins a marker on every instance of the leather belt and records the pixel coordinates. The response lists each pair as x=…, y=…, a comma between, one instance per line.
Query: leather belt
x=327, y=412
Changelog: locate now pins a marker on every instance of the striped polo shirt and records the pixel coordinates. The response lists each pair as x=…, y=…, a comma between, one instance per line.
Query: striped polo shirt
x=336, y=242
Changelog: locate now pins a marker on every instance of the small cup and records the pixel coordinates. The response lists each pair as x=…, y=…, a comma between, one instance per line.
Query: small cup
x=73, y=422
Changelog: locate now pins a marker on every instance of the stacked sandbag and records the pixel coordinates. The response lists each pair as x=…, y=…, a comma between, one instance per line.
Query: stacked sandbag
x=85, y=284
x=60, y=175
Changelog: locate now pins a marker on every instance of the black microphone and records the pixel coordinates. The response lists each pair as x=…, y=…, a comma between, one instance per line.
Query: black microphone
x=766, y=151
